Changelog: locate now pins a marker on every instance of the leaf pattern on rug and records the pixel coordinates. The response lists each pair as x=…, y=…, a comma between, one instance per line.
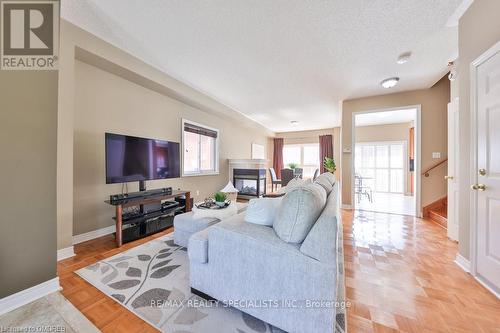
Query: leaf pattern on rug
x=110, y=277
x=124, y=284
x=93, y=267
x=171, y=243
x=104, y=269
x=161, y=264
x=189, y=315
x=123, y=264
x=120, y=259
x=144, y=257
x=146, y=298
x=133, y=272
x=176, y=295
x=164, y=255
x=164, y=250
x=162, y=272
x=153, y=315
x=119, y=297
x=254, y=323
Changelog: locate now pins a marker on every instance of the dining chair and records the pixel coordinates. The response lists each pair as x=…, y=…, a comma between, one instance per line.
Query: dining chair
x=316, y=173
x=286, y=176
x=274, y=179
x=297, y=172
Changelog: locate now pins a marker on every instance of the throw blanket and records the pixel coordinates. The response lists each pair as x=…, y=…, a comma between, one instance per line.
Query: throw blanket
x=199, y=213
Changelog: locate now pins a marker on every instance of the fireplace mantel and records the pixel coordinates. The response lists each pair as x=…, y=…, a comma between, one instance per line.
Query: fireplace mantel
x=245, y=164
x=255, y=165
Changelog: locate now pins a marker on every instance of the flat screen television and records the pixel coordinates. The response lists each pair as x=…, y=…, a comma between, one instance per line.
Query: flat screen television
x=129, y=159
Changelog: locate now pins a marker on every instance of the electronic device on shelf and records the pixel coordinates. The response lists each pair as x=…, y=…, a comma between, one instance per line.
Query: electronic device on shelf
x=140, y=194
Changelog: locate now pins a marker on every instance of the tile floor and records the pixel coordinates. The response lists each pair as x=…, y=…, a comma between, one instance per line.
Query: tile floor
x=388, y=203
x=52, y=313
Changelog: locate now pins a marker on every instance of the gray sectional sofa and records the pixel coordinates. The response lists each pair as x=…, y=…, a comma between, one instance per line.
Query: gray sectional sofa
x=289, y=284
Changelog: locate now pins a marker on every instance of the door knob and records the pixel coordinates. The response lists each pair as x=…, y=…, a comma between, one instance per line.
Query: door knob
x=482, y=172
x=478, y=187
x=448, y=177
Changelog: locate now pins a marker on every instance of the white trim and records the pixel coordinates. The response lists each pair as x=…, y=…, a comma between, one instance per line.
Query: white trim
x=487, y=286
x=418, y=151
x=93, y=234
x=29, y=295
x=462, y=263
x=459, y=12
x=344, y=206
x=65, y=253
x=473, y=157
x=216, y=157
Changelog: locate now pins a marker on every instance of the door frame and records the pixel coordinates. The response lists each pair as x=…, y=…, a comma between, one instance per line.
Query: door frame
x=473, y=160
x=418, y=151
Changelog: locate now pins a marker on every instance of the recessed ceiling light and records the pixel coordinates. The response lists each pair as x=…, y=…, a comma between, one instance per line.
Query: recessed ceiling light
x=389, y=83
x=403, y=58
x=294, y=122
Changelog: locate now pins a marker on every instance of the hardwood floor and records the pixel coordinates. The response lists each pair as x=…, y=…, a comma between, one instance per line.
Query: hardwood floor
x=400, y=276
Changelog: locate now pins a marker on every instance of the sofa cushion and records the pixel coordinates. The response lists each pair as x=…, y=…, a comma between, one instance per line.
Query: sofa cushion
x=187, y=222
x=198, y=246
x=298, y=212
x=294, y=183
x=330, y=176
x=262, y=211
x=325, y=182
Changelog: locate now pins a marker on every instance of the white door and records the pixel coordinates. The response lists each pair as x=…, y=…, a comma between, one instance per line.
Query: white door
x=487, y=185
x=453, y=163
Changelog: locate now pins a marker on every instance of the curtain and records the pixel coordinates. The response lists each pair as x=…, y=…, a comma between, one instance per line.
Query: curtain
x=278, y=156
x=325, y=149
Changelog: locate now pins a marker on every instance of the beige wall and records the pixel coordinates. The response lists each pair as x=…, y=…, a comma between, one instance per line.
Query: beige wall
x=107, y=103
x=479, y=29
x=28, y=127
x=387, y=132
x=105, y=89
x=433, y=103
x=303, y=137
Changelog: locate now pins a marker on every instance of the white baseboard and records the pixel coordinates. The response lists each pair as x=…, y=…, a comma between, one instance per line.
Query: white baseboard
x=29, y=295
x=65, y=253
x=93, y=234
x=462, y=263
x=344, y=206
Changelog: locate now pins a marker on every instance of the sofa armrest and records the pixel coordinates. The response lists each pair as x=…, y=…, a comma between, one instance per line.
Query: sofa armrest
x=198, y=246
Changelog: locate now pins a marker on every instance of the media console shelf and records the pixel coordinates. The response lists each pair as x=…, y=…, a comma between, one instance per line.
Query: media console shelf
x=148, y=216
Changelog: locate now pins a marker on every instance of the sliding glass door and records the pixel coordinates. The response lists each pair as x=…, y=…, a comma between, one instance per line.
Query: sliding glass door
x=381, y=165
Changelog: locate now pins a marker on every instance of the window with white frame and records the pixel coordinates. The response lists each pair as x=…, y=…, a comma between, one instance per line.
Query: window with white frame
x=381, y=165
x=306, y=156
x=200, y=149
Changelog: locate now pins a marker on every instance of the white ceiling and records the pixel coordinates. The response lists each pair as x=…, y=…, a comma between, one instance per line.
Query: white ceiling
x=385, y=117
x=281, y=60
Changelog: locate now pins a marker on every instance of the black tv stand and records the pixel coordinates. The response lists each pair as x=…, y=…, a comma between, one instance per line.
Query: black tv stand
x=147, y=222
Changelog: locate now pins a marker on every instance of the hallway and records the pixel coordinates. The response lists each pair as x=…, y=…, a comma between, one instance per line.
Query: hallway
x=401, y=276
x=395, y=203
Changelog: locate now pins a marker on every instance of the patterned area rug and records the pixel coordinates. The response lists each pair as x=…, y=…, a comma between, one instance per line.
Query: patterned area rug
x=152, y=281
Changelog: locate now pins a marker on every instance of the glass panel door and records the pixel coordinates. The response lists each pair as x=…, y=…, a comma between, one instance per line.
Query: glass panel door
x=381, y=165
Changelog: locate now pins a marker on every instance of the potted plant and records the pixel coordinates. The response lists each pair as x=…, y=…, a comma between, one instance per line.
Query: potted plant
x=220, y=199
x=329, y=164
x=293, y=166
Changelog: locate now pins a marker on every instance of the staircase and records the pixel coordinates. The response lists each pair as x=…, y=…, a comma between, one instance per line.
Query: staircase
x=437, y=212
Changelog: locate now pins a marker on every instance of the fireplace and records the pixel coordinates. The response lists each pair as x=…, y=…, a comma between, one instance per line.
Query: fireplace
x=251, y=183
